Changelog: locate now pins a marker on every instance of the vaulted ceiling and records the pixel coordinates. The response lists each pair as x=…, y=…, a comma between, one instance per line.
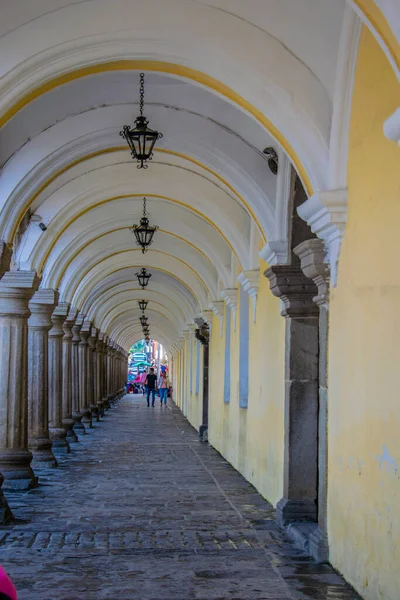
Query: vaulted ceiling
x=224, y=80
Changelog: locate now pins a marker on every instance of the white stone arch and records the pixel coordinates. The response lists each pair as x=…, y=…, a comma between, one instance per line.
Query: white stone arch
x=98, y=231
x=161, y=282
x=130, y=312
x=122, y=304
x=264, y=73
x=208, y=200
x=151, y=260
x=159, y=294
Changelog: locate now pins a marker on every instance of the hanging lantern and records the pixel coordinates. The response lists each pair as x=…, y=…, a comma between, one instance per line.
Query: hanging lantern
x=143, y=320
x=143, y=277
x=147, y=339
x=142, y=304
x=141, y=138
x=144, y=232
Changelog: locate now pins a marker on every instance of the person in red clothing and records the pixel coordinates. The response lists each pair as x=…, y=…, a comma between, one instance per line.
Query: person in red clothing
x=7, y=590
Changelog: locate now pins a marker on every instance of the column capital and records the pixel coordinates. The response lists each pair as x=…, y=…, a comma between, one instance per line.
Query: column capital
x=230, y=296
x=208, y=316
x=16, y=289
x=192, y=327
x=275, y=252
x=93, y=335
x=312, y=256
x=42, y=305
x=296, y=291
x=250, y=280
x=218, y=308
x=326, y=214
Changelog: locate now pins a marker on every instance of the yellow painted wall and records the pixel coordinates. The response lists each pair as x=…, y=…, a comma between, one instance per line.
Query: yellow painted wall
x=252, y=439
x=364, y=349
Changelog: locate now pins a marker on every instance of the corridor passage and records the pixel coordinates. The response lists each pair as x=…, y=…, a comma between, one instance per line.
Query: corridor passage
x=141, y=510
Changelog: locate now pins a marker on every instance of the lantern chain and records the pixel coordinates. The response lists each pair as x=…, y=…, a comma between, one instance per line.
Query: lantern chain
x=144, y=206
x=141, y=92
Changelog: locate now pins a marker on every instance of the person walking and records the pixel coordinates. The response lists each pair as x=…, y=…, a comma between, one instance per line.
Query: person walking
x=143, y=381
x=163, y=385
x=151, y=386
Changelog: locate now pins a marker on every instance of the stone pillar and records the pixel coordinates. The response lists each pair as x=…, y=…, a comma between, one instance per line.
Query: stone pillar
x=57, y=431
x=39, y=325
x=313, y=258
x=16, y=289
x=300, y=477
x=76, y=338
x=99, y=374
x=83, y=375
x=109, y=372
x=106, y=401
x=91, y=384
x=67, y=378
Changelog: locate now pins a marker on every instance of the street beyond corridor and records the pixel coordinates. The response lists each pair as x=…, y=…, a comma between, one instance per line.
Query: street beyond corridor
x=141, y=510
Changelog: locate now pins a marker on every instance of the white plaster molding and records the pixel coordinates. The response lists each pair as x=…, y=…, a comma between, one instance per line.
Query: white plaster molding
x=275, y=252
x=218, y=308
x=381, y=41
x=250, y=280
x=326, y=214
x=343, y=96
x=208, y=317
x=230, y=296
x=391, y=127
x=391, y=10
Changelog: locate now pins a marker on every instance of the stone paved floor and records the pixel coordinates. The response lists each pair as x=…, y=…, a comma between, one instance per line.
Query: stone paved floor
x=141, y=510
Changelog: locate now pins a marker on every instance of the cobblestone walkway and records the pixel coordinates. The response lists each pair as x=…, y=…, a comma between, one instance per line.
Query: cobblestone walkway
x=141, y=510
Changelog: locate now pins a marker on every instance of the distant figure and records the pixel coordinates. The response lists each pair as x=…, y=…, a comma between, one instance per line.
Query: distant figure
x=151, y=385
x=143, y=381
x=163, y=385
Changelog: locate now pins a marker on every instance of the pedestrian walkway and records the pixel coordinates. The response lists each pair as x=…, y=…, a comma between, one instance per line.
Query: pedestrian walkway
x=141, y=510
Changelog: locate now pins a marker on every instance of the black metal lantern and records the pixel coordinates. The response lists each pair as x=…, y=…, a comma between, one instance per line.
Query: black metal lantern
x=143, y=277
x=142, y=304
x=144, y=232
x=146, y=332
x=147, y=339
x=143, y=320
x=141, y=138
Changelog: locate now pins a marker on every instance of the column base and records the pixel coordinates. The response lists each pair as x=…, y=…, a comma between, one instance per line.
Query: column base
x=86, y=418
x=42, y=453
x=15, y=465
x=6, y=515
x=59, y=442
x=293, y=511
x=106, y=403
x=100, y=408
x=71, y=436
x=318, y=546
x=203, y=433
x=94, y=412
x=78, y=426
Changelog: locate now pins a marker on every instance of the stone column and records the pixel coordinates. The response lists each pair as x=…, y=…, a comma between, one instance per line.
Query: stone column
x=91, y=385
x=57, y=431
x=39, y=325
x=67, y=378
x=300, y=476
x=109, y=372
x=76, y=338
x=106, y=401
x=16, y=289
x=83, y=375
x=313, y=258
x=99, y=374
